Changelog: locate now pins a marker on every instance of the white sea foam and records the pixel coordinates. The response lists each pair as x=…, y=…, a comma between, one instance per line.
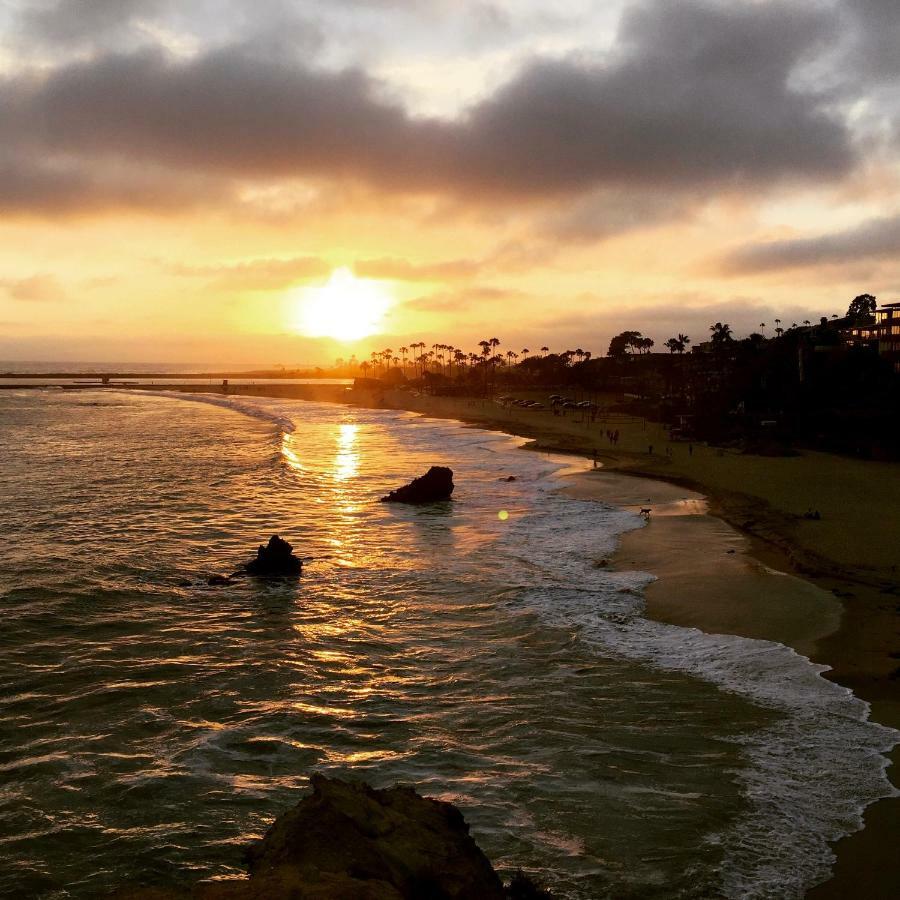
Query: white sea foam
x=243, y=405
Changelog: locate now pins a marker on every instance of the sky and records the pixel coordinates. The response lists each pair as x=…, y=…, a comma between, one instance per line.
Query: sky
x=179, y=182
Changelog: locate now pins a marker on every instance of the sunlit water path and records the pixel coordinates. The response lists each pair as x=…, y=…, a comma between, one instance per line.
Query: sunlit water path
x=149, y=730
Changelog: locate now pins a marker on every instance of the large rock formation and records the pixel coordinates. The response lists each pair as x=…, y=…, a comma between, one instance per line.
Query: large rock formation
x=393, y=843
x=436, y=484
x=274, y=560
x=353, y=842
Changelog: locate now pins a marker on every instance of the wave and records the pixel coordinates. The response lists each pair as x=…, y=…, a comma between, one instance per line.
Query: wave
x=243, y=406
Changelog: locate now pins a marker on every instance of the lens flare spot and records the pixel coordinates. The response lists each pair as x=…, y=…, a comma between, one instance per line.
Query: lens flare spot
x=503, y=515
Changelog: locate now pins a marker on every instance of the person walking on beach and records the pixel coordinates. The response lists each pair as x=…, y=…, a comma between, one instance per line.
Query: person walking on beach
x=690, y=449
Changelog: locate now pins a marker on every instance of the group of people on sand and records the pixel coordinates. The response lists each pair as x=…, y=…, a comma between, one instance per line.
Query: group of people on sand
x=612, y=436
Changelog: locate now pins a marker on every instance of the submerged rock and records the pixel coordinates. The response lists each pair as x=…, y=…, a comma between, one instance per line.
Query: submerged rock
x=436, y=484
x=353, y=842
x=219, y=580
x=274, y=560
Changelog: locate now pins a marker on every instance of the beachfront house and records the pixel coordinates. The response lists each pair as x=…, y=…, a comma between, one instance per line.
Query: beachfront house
x=882, y=335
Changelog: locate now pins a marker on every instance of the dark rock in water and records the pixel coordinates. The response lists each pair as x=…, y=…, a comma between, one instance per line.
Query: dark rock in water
x=353, y=842
x=509, y=478
x=274, y=560
x=436, y=484
x=218, y=580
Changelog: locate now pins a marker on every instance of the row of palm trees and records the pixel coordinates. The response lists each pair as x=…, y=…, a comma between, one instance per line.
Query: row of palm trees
x=442, y=358
x=445, y=358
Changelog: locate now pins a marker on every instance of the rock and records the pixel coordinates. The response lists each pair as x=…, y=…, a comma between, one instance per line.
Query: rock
x=218, y=580
x=388, y=843
x=274, y=560
x=353, y=842
x=436, y=484
x=509, y=478
x=523, y=888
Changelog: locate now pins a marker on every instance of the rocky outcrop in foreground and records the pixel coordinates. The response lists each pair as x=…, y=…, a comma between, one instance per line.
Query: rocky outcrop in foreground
x=436, y=484
x=274, y=560
x=353, y=842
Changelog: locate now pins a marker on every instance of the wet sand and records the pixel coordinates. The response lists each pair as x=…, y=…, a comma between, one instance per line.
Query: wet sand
x=706, y=575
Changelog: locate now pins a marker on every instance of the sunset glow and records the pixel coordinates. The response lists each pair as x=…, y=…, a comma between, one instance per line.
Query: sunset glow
x=423, y=150
x=346, y=308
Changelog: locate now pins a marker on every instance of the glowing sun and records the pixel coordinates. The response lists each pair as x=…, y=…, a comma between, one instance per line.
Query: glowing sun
x=346, y=307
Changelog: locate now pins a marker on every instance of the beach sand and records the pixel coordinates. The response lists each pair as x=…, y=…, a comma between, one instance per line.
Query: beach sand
x=707, y=577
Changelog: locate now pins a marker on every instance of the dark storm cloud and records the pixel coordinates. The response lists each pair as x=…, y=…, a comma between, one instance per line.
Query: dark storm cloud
x=877, y=239
x=31, y=185
x=76, y=21
x=877, y=51
x=697, y=95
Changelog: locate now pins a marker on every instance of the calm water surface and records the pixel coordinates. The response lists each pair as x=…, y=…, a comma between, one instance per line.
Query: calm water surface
x=149, y=730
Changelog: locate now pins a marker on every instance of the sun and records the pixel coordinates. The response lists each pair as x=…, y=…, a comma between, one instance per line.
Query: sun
x=346, y=308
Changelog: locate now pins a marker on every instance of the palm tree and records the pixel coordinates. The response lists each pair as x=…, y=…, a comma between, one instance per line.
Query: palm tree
x=721, y=334
x=403, y=352
x=684, y=340
x=365, y=366
x=545, y=349
x=417, y=358
x=525, y=352
x=673, y=345
x=762, y=328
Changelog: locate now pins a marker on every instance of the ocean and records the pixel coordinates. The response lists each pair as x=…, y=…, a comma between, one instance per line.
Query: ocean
x=151, y=725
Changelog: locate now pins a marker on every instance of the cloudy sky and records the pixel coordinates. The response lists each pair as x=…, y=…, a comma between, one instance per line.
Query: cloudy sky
x=178, y=178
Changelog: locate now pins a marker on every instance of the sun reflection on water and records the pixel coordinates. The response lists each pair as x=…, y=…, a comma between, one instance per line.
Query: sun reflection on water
x=346, y=461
